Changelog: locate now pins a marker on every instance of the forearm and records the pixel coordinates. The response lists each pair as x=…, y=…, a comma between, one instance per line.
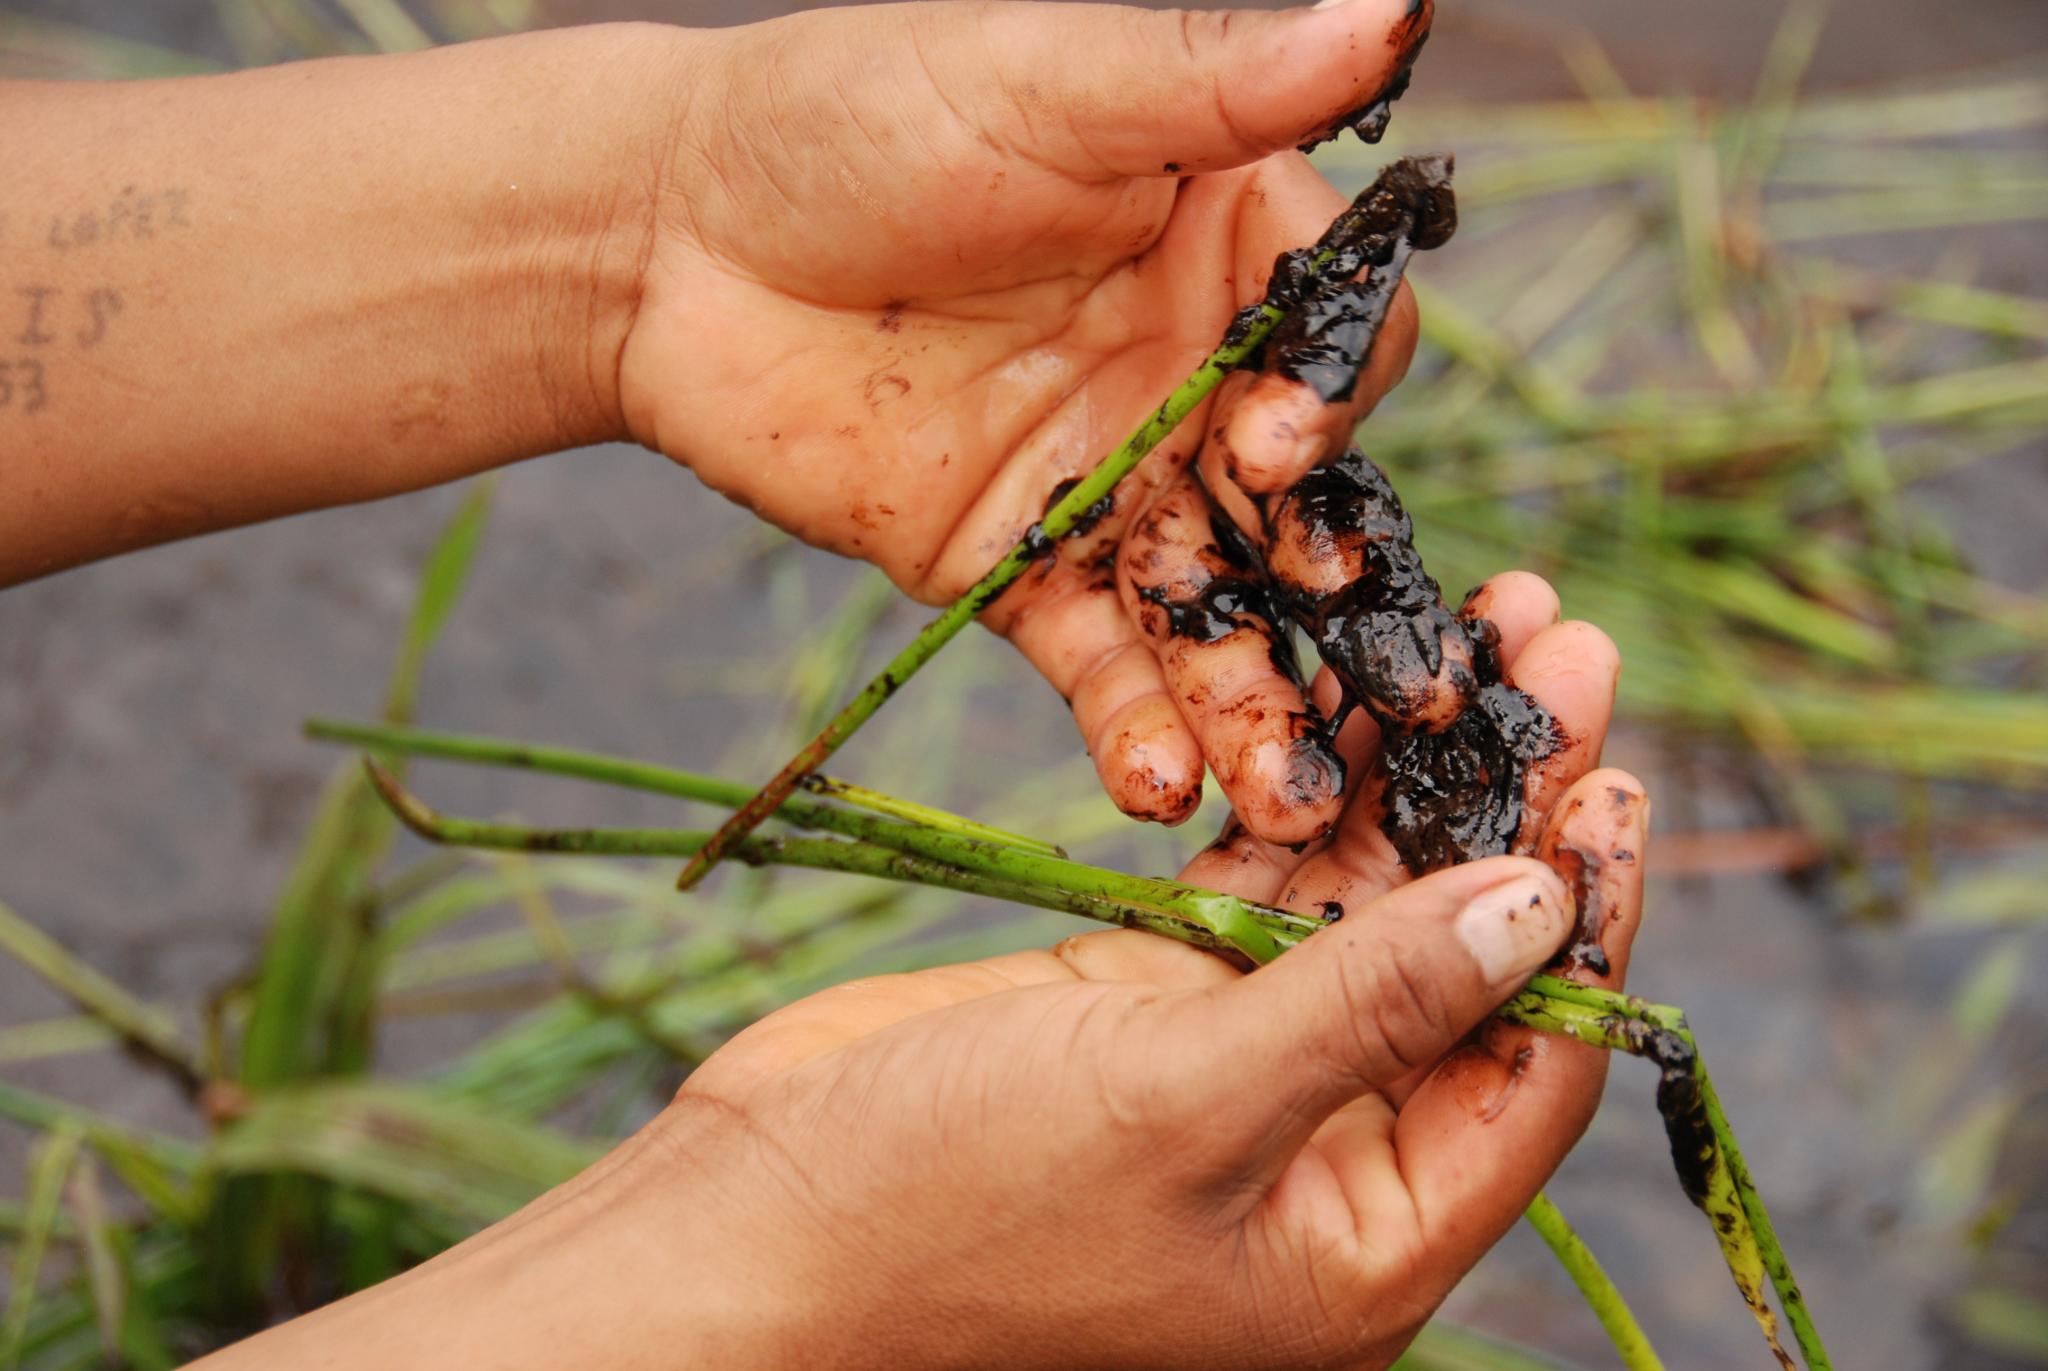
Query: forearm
x=228, y=298
x=637, y=1264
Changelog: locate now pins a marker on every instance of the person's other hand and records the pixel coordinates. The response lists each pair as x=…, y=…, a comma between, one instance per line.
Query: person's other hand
x=913, y=266
x=1123, y=1152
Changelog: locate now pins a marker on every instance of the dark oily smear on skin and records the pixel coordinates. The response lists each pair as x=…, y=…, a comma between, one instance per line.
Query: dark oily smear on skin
x=1088, y=518
x=1369, y=120
x=1452, y=795
x=1410, y=206
x=1325, y=341
x=1582, y=869
x=1213, y=611
x=1230, y=604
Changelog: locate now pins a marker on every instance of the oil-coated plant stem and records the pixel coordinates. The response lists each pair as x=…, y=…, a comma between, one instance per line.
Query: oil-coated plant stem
x=1704, y=1149
x=1718, y=1183
x=1790, y=1298
x=1190, y=917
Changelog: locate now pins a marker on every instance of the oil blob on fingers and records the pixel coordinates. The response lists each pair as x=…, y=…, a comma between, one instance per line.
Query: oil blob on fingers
x=1231, y=668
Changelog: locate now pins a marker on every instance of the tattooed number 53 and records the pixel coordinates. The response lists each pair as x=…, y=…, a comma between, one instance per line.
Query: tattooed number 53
x=21, y=385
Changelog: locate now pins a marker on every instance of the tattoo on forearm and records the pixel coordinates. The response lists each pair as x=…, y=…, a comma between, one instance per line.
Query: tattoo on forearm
x=43, y=322
x=132, y=216
x=21, y=384
x=46, y=323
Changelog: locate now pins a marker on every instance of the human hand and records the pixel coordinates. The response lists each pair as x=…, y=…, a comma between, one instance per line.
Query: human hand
x=1122, y=1152
x=913, y=266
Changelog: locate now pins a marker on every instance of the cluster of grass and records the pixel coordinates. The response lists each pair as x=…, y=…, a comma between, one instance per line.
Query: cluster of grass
x=1659, y=368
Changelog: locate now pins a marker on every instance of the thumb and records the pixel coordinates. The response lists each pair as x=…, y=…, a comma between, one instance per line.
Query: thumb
x=1111, y=90
x=1363, y=1003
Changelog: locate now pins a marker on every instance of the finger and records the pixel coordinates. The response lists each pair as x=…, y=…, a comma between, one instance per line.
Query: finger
x=1360, y=863
x=1270, y=437
x=1213, y=633
x=1356, y=1005
x=1520, y=604
x=1481, y=1136
x=1239, y=863
x=1083, y=642
x=1283, y=426
x=1594, y=842
x=1105, y=91
x=1571, y=669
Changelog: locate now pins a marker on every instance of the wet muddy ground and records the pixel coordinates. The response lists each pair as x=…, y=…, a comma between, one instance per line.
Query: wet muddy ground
x=153, y=784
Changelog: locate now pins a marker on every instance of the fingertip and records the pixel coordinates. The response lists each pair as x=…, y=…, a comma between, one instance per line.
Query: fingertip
x=1149, y=761
x=1596, y=839
x=1575, y=647
x=1621, y=788
x=1520, y=604
x=1278, y=432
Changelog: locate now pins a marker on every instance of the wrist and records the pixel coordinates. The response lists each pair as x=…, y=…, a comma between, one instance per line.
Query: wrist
x=629, y=1264
x=626, y=89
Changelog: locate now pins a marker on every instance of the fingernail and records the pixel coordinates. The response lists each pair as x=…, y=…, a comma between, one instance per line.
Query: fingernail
x=1515, y=927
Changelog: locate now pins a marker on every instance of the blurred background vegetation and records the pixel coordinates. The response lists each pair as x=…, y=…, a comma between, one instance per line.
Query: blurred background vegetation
x=1742, y=348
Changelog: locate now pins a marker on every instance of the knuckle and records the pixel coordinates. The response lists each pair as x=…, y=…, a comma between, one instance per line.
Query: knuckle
x=1409, y=1014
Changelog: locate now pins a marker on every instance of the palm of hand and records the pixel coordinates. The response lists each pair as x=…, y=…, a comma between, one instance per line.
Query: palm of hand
x=908, y=364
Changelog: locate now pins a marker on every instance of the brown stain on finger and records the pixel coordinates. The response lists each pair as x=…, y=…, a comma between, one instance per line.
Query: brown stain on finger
x=1583, y=847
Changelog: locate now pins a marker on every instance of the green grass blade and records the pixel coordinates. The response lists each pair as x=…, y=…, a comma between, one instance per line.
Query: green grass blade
x=139, y=1024
x=48, y=1167
x=1444, y=1346
x=412, y=1145
x=441, y=581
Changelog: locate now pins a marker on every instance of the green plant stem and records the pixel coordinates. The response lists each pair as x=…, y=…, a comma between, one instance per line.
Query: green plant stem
x=629, y=774
x=1790, y=1298
x=1003, y=860
x=822, y=854
x=1728, y=1194
x=1592, y=1280
x=1058, y=522
x=910, y=811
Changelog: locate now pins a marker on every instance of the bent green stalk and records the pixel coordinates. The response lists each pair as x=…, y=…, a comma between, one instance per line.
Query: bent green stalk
x=910, y=811
x=631, y=774
x=1191, y=925
x=1249, y=925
